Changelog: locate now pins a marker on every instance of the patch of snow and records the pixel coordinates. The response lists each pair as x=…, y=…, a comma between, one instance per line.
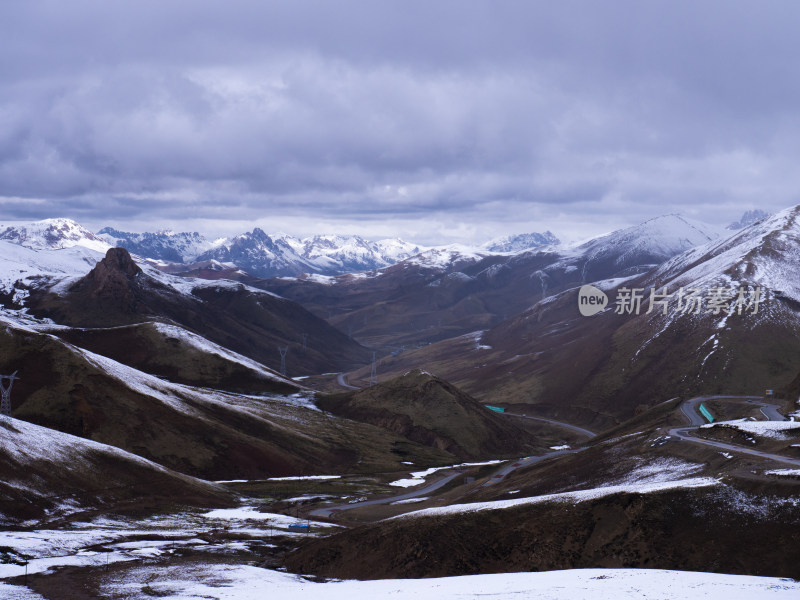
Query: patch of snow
x=476, y=336
x=307, y=497
x=769, y=429
x=305, y=477
x=659, y=470
x=18, y=592
x=323, y=279
x=405, y=483
x=784, y=472
x=418, y=477
x=574, y=496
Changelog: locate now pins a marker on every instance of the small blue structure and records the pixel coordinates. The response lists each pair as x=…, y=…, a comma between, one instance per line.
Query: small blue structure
x=300, y=527
x=495, y=408
x=706, y=413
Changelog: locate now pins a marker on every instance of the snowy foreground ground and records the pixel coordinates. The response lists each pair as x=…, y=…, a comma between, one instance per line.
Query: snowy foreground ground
x=251, y=583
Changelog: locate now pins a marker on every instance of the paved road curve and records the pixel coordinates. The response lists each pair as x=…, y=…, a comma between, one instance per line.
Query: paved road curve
x=329, y=511
x=526, y=462
x=575, y=428
x=341, y=379
x=689, y=409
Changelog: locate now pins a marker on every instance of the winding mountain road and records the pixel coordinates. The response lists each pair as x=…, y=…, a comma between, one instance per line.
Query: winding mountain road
x=689, y=410
x=341, y=379
x=526, y=462
x=329, y=511
x=574, y=428
x=501, y=473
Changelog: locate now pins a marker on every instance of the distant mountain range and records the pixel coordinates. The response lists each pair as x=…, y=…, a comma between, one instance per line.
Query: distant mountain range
x=281, y=255
x=451, y=291
x=256, y=252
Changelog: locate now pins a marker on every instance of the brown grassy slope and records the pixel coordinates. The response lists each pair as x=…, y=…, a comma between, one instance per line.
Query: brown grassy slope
x=431, y=411
x=745, y=524
x=695, y=529
x=199, y=432
x=47, y=473
x=147, y=349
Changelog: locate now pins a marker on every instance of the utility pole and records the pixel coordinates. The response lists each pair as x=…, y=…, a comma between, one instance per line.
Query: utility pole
x=5, y=404
x=373, y=376
x=283, y=352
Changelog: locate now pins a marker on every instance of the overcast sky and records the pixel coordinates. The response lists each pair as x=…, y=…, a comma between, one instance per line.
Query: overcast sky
x=435, y=121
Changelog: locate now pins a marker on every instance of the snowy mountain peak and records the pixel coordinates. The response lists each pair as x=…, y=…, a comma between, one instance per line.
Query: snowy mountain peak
x=51, y=234
x=766, y=254
x=658, y=238
x=445, y=257
x=521, y=242
x=748, y=218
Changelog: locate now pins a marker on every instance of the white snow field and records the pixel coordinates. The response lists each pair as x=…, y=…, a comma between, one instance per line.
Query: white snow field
x=228, y=582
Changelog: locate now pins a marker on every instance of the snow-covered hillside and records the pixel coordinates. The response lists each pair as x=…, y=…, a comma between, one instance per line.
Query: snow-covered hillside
x=51, y=234
x=655, y=239
x=765, y=254
x=21, y=267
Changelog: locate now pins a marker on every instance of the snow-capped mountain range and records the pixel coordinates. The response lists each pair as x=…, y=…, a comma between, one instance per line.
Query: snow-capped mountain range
x=257, y=252
x=267, y=255
x=280, y=255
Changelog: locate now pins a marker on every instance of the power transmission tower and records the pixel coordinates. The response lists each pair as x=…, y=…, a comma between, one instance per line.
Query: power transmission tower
x=373, y=376
x=283, y=352
x=305, y=337
x=5, y=404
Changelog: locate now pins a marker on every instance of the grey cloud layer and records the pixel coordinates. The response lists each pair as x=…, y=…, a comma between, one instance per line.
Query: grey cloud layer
x=366, y=110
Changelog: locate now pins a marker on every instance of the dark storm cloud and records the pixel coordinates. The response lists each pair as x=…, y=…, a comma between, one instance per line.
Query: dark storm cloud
x=472, y=112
